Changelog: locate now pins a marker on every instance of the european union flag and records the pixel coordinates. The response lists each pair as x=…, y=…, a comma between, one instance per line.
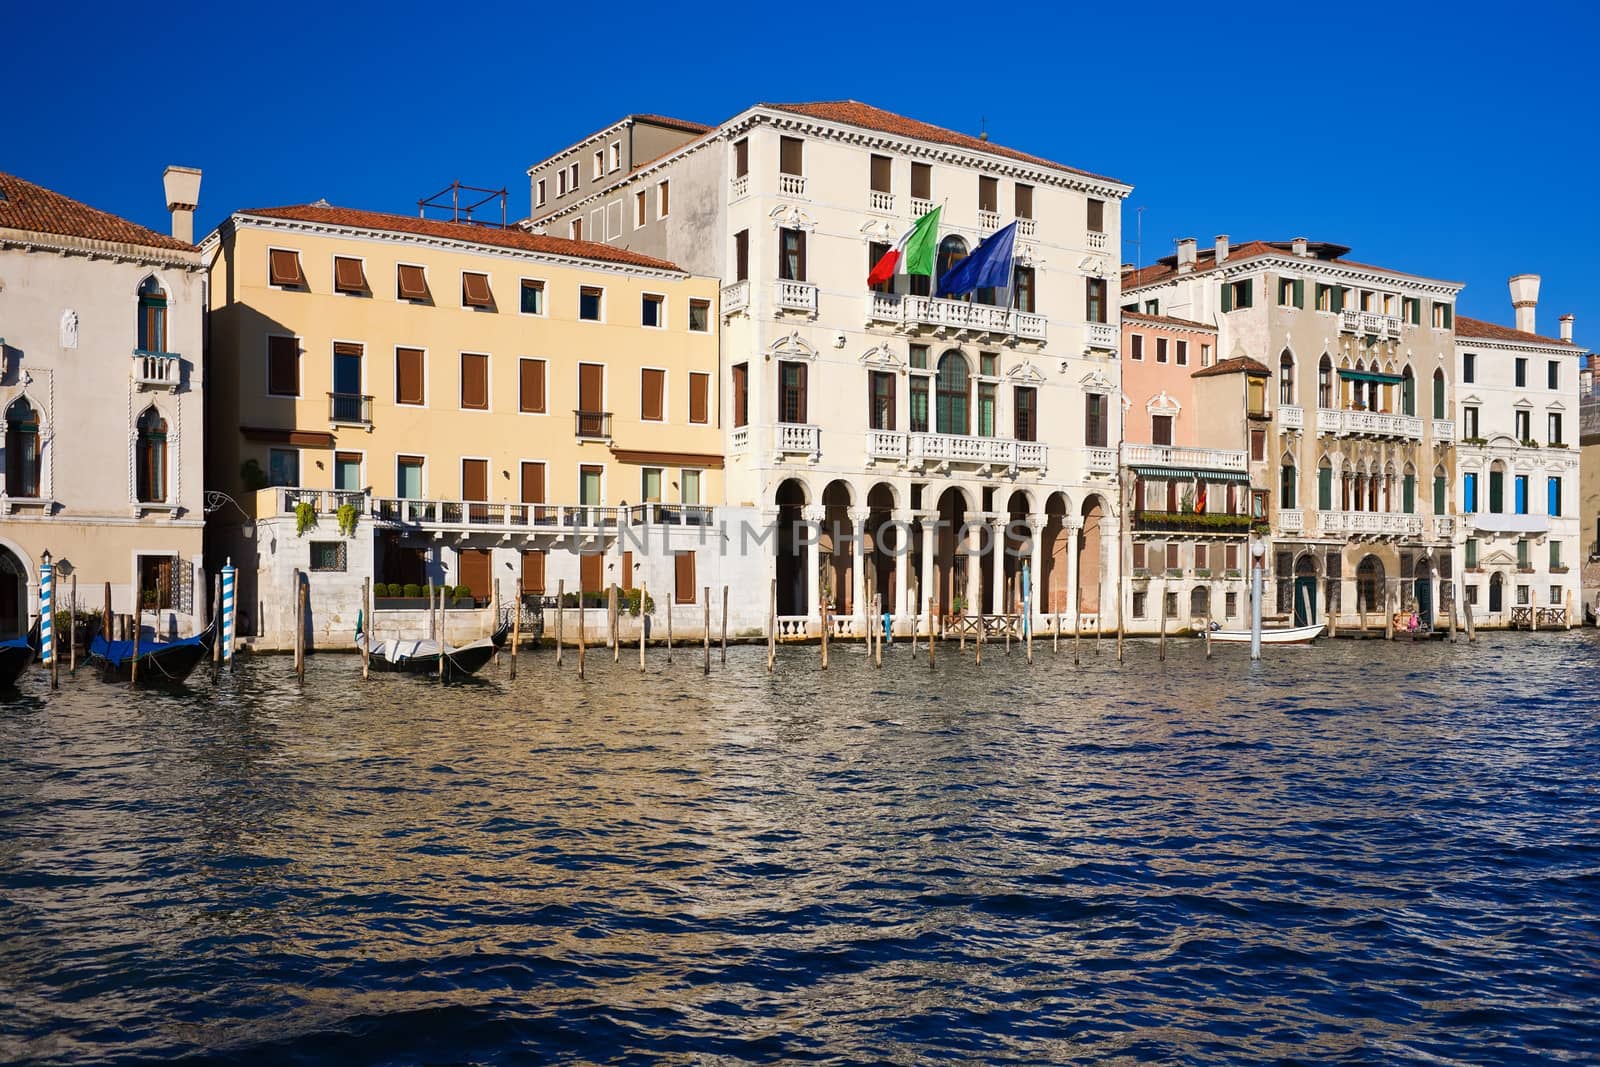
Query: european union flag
x=989, y=266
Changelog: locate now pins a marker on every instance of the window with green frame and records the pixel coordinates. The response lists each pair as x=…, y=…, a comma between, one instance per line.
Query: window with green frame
x=985, y=409
x=1325, y=489
x=919, y=403
x=1555, y=553
x=1522, y=552
x=1408, y=493
x=1472, y=553
x=1438, y=494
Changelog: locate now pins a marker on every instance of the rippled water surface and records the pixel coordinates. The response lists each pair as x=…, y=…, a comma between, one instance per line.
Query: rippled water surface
x=1358, y=853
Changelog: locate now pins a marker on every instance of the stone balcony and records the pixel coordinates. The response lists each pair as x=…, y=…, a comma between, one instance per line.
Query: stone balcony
x=157, y=370
x=791, y=185
x=946, y=450
x=957, y=318
x=794, y=438
x=735, y=298
x=1291, y=417
x=1096, y=242
x=880, y=202
x=1345, y=423
x=1100, y=460
x=1291, y=520
x=797, y=297
x=1444, y=429
x=1368, y=524
x=1216, y=459
x=1386, y=327
x=1102, y=335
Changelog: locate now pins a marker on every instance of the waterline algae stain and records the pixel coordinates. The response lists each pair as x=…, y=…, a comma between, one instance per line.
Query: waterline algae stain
x=1352, y=853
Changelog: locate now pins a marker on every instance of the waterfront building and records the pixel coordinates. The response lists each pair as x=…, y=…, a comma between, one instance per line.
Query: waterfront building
x=1517, y=395
x=1354, y=424
x=957, y=423
x=1185, y=474
x=101, y=326
x=412, y=400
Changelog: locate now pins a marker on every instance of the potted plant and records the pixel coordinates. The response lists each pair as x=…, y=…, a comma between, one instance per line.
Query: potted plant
x=348, y=515
x=461, y=597
x=305, y=517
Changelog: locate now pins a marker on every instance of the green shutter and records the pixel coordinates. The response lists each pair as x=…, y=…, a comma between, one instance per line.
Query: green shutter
x=1449, y=317
x=1246, y=293
x=1299, y=292
x=1336, y=298
x=1408, y=495
x=1227, y=297
x=1438, y=495
x=1325, y=489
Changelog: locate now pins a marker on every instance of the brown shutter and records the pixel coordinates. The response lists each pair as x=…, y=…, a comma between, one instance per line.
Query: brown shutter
x=408, y=376
x=741, y=157
x=741, y=255
x=922, y=181
x=473, y=571
x=413, y=282
x=591, y=385
x=741, y=395
x=683, y=577
x=474, y=479
x=625, y=579
x=663, y=200
x=791, y=155
x=533, y=571
x=800, y=238
x=474, y=381
x=475, y=290
x=652, y=383
x=284, y=267
x=699, y=396
x=988, y=193
x=533, y=483
x=804, y=389
x=889, y=415
x=1097, y=216
x=532, y=385
x=592, y=571
x=348, y=276
x=283, y=366
x=1024, y=201
x=882, y=169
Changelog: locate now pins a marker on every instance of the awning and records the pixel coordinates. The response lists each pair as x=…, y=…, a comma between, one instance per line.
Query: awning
x=1190, y=474
x=1370, y=376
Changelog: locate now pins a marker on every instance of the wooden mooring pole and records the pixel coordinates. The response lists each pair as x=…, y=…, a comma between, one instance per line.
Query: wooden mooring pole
x=138, y=603
x=706, y=631
x=772, y=623
x=366, y=626
x=561, y=615
x=644, y=598
x=1452, y=616
x=826, y=626
x=877, y=629
x=1162, y=643
x=724, y=626
x=516, y=629
x=72, y=626
x=670, y=599
x=931, y=614
x=216, y=621
x=582, y=635
x=441, y=643
x=1472, y=629
x=614, y=619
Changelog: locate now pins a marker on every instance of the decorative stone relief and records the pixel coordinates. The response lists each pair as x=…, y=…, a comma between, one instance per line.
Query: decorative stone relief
x=69, y=329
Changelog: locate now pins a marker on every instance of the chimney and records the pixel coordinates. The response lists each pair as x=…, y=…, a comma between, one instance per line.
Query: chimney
x=1566, y=328
x=1222, y=247
x=183, y=195
x=1525, y=298
x=1186, y=255
x=1298, y=245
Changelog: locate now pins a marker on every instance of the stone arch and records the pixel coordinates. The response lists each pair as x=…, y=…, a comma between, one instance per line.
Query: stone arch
x=952, y=385
x=886, y=546
x=1325, y=391
x=794, y=582
x=1370, y=584
x=1408, y=391
x=1286, y=378
x=950, y=575
x=1091, y=555
x=1055, y=544
x=837, y=546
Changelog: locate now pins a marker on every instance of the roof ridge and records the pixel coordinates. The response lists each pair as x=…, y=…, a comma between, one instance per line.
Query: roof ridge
x=27, y=205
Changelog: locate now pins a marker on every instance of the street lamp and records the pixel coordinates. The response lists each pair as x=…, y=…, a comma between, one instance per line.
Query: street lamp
x=1258, y=551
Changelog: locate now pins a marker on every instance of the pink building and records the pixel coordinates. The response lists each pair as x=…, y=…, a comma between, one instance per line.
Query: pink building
x=1159, y=354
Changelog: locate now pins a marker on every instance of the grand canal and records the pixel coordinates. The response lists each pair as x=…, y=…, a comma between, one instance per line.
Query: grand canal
x=1356, y=853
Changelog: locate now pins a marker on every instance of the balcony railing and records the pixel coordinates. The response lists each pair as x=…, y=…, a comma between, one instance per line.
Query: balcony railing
x=322, y=501
x=886, y=444
x=1027, y=227
x=1096, y=242
x=1100, y=335
x=912, y=313
x=1347, y=423
x=1101, y=460
x=351, y=408
x=658, y=514
x=739, y=439
x=1369, y=524
x=792, y=437
x=739, y=188
x=1291, y=416
x=1179, y=456
x=1191, y=522
x=157, y=370
x=1444, y=429
x=880, y=201
x=792, y=184
x=592, y=424
x=1367, y=322
x=483, y=514
x=920, y=207
x=988, y=221
x=1291, y=520
x=923, y=448
x=735, y=298
x=797, y=296
x=1444, y=526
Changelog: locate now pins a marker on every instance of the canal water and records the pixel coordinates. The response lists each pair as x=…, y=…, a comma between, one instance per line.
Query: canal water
x=1355, y=853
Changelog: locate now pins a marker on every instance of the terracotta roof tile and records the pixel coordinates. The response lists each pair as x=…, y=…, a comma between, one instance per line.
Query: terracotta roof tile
x=1205, y=260
x=676, y=124
x=1236, y=365
x=461, y=231
x=854, y=113
x=1167, y=320
x=1489, y=331
x=26, y=206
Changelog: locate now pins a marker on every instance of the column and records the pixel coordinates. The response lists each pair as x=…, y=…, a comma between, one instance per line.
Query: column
x=858, y=565
x=1111, y=567
x=1071, y=527
x=1035, y=533
x=901, y=607
x=930, y=548
x=972, y=540
x=997, y=562
x=814, y=514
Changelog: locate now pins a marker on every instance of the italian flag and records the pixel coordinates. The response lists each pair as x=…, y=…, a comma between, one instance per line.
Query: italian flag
x=912, y=254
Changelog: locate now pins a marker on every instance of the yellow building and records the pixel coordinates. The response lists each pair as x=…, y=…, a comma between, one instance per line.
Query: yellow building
x=483, y=404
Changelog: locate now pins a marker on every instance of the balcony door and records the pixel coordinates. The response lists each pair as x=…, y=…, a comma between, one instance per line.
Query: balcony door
x=347, y=471
x=475, y=486
x=591, y=387
x=950, y=414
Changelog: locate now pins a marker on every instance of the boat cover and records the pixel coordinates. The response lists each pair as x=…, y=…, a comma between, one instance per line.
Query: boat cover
x=118, y=652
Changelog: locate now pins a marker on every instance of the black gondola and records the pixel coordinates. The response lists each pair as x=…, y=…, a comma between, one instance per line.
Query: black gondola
x=161, y=663
x=17, y=654
x=422, y=657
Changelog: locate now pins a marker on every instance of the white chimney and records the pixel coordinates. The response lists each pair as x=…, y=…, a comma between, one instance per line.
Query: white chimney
x=1186, y=255
x=1566, y=328
x=1298, y=245
x=1222, y=247
x=1525, y=298
x=183, y=196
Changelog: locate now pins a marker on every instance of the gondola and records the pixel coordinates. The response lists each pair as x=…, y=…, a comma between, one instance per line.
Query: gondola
x=422, y=657
x=161, y=663
x=1291, y=635
x=17, y=654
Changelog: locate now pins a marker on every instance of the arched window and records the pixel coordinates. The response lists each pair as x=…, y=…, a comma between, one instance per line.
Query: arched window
x=1288, y=494
x=952, y=250
x=1324, y=484
x=1408, y=392
x=150, y=458
x=152, y=316
x=22, y=449
x=1325, y=382
x=950, y=415
x=1438, y=394
x=1408, y=491
x=1439, y=484
x=1286, y=378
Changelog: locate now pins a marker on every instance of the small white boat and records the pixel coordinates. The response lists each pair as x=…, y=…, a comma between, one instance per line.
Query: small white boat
x=1293, y=635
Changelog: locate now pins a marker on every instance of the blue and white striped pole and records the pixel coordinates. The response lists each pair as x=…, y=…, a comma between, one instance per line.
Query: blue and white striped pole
x=228, y=610
x=47, y=596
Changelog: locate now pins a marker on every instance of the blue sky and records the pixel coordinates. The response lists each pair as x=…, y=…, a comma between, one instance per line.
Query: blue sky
x=1458, y=142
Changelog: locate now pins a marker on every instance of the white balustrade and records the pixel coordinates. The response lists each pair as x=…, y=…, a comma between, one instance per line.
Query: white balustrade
x=1030, y=326
x=877, y=201
x=1368, y=322
x=1444, y=429
x=1096, y=242
x=922, y=448
x=792, y=185
x=735, y=298
x=794, y=626
x=1377, y=424
x=886, y=444
x=798, y=437
x=1100, y=335
x=988, y=221
x=1369, y=523
x=797, y=296
x=1027, y=227
x=739, y=439
x=739, y=187
x=1444, y=526
x=1101, y=460
x=1182, y=456
x=157, y=370
x=1291, y=520
x=920, y=207
x=913, y=312
x=479, y=514
x=1291, y=416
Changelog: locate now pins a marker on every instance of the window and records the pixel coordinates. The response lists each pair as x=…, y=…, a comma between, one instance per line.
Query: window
x=539, y=193
x=1523, y=556
x=689, y=487
x=683, y=575
x=650, y=485
x=1174, y=560
x=283, y=268
x=1411, y=310
x=474, y=381
x=532, y=482
x=1258, y=444
x=533, y=572
x=1161, y=349
x=1329, y=298
x=652, y=394
x=1523, y=421
x=1288, y=485
x=699, y=397
x=1291, y=292
x=1497, y=496
x=1096, y=221
x=1325, y=487
x=408, y=477
x=792, y=255
x=1521, y=372
x=986, y=409
x=1443, y=317
x=1136, y=347
x=1469, y=367
x=283, y=466
x=919, y=403
x=1472, y=553
x=1552, y=374
x=591, y=396
x=23, y=466
x=1022, y=289
x=1095, y=299
x=638, y=209
x=575, y=229
x=1553, y=496
x=561, y=182
x=654, y=311
x=1408, y=493
x=408, y=376
x=1408, y=393
x=349, y=276
x=475, y=291
x=590, y=492
x=599, y=168
x=663, y=199
x=411, y=282
x=572, y=176
x=1553, y=427
x=1237, y=295
x=741, y=256
x=347, y=400
x=988, y=193
x=1325, y=382
x=1151, y=307
x=791, y=156
x=1161, y=429
x=791, y=392
x=327, y=555
x=699, y=316
x=951, y=395
x=1438, y=492
x=1438, y=394
x=881, y=174
x=347, y=471
x=1555, y=565
x=1094, y=420
x=616, y=155
x=880, y=400
x=1469, y=422
x=532, y=297
x=741, y=394
x=1025, y=407
x=283, y=366
x=1469, y=492
x=590, y=301
x=155, y=578
x=152, y=316
x=1023, y=197
x=922, y=181
x=741, y=157
x=1205, y=355
x=1139, y=607
x=1182, y=354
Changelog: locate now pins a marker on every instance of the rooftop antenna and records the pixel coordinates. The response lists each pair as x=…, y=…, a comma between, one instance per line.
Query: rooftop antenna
x=1138, y=240
x=983, y=127
x=461, y=208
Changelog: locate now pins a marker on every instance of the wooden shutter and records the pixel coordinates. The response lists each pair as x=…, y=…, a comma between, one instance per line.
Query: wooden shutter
x=592, y=571
x=683, y=577
x=741, y=157
x=699, y=397
x=652, y=384
x=473, y=570
x=663, y=200
x=882, y=169
x=625, y=579
x=800, y=387
x=791, y=155
x=1097, y=215
x=591, y=386
x=533, y=483
x=922, y=181
x=1227, y=297
x=1299, y=292
x=475, y=381
x=741, y=255
x=412, y=281
x=531, y=387
x=284, y=267
x=408, y=376
x=348, y=277
x=474, y=479
x=533, y=571
x=741, y=393
x=475, y=290
x=1024, y=198
x=800, y=239
x=283, y=366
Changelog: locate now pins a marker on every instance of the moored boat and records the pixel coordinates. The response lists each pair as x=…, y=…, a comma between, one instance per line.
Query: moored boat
x=1292, y=635
x=161, y=663
x=423, y=656
x=16, y=655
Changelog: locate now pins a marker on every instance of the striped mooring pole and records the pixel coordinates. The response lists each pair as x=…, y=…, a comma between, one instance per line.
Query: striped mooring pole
x=47, y=596
x=228, y=610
